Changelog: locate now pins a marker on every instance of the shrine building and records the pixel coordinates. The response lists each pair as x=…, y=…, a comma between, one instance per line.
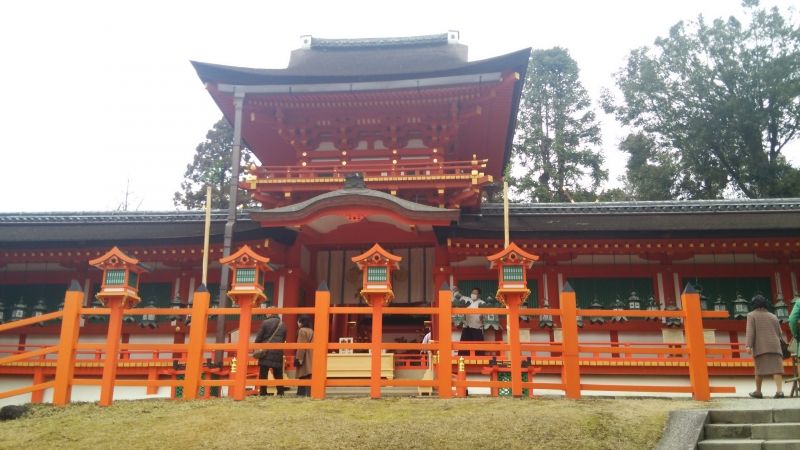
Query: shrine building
x=402, y=142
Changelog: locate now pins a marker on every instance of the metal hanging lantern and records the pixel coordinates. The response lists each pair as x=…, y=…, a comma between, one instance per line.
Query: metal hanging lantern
x=491, y=320
x=546, y=320
x=633, y=301
x=720, y=305
x=654, y=306
x=579, y=320
x=596, y=319
x=19, y=309
x=213, y=304
x=176, y=303
x=619, y=306
x=781, y=312
x=740, y=307
x=39, y=309
x=129, y=318
x=96, y=303
x=703, y=301
x=149, y=320
x=672, y=322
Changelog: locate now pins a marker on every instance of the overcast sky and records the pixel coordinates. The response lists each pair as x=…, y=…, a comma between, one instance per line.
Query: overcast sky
x=97, y=95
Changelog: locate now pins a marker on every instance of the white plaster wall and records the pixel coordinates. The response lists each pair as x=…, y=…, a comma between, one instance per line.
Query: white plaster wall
x=151, y=339
x=598, y=337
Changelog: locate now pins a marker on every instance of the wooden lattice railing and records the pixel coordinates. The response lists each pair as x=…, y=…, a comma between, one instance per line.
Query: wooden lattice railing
x=191, y=359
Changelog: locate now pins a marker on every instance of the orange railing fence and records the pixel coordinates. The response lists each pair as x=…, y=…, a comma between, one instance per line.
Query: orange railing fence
x=190, y=360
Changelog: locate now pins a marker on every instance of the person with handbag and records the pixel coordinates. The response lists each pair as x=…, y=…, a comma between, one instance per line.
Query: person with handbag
x=272, y=331
x=302, y=358
x=764, y=339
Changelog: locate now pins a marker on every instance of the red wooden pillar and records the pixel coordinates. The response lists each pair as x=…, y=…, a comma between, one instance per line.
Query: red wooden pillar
x=243, y=349
x=377, y=340
x=247, y=290
x=570, y=371
x=70, y=327
x=441, y=276
x=319, y=366
x=119, y=290
x=377, y=265
x=37, y=396
x=112, y=350
x=695, y=344
x=291, y=298
x=512, y=302
x=197, y=339
x=445, y=341
x=512, y=264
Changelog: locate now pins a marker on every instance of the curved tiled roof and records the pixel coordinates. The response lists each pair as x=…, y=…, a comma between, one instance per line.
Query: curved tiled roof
x=114, y=217
x=360, y=197
x=750, y=217
x=364, y=65
x=660, y=207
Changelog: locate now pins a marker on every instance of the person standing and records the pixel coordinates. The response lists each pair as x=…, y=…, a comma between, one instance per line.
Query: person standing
x=303, y=356
x=764, y=343
x=272, y=330
x=427, y=340
x=794, y=324
x=473, y=323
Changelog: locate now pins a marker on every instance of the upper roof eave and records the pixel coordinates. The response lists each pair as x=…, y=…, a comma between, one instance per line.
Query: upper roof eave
x=216, y=73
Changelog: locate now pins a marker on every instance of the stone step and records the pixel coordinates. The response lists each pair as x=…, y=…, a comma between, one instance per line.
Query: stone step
x=786, y=415
x=727, y=431
x=782, y=444
x=730, y=444
x=785, y=430
x=740, y=416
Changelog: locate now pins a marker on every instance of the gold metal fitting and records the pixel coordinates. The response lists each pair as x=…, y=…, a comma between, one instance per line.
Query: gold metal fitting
x=461, y=365
x=233, y=365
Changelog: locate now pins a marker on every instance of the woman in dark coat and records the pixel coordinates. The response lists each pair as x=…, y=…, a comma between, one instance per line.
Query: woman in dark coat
x=302, y=358
x=272, y=331
x=764, y=343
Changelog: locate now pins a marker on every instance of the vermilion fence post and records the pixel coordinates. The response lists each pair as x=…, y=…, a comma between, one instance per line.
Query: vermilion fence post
x=38, y=378
x=112, y=350
x=444, y=321
x=319, y=366
x=377, y=337
x=245, y=316
x=197, y=339
x=570, y=370
x=695, y=344
x=70, y=327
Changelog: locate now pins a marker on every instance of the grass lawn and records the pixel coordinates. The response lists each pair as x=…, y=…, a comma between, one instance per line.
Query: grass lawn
x=346, y=423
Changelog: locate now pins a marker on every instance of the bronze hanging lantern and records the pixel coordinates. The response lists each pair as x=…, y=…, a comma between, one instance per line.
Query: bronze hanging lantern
x=18, y=310
x=673, y=322
x=740, y=307
x=149, y=320
x=599, y=320
x=652, y=305
x=720, y=305
x=39, y=309
x=546, y=320
x=781, y=312
x=619, y=306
